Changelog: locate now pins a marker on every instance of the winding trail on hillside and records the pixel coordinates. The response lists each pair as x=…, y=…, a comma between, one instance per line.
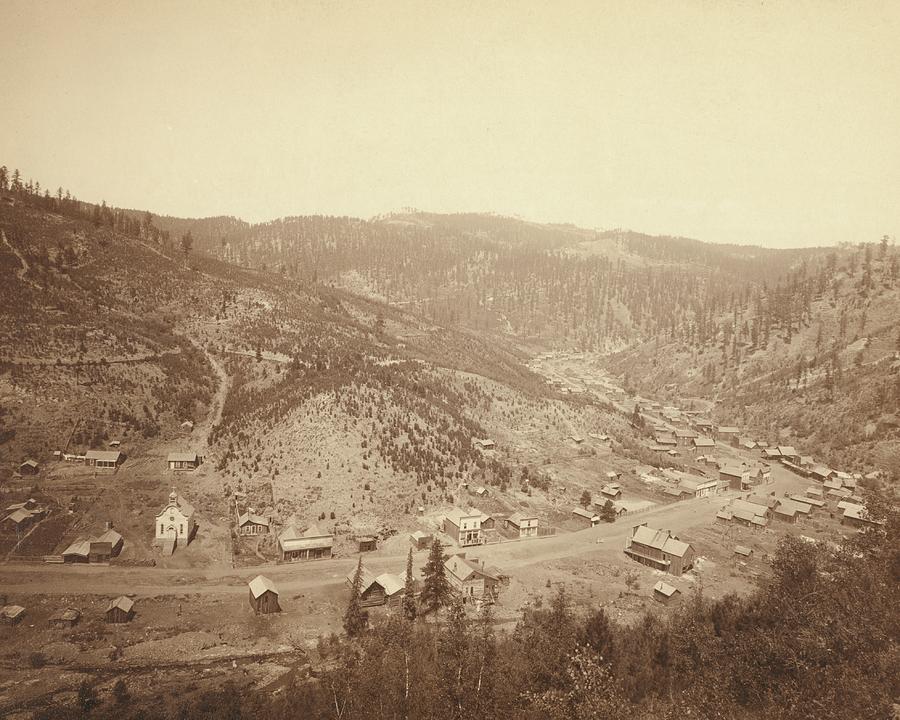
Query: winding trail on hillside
x=214, y=416
x=22, y=271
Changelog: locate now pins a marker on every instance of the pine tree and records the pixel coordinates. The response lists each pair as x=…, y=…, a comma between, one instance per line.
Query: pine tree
x=608, y=512
x=355, y=618
x=436, y=588
x=409, y=599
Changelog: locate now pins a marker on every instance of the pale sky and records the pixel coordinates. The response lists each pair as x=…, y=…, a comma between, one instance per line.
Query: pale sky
x=769, y=123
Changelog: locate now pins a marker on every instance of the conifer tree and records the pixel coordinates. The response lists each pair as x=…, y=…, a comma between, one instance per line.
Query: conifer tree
x=608, y=512
x=436, y=588
x=355, y=618
x=409, y=599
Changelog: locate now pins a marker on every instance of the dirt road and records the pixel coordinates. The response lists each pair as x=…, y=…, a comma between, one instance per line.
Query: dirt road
x=603, y=541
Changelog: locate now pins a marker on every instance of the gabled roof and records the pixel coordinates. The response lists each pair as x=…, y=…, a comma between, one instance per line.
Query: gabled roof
x=313, y=537
x=791, y=508
x=110, y=536
x=733, y=470
x=517, y=518
x=182, y=457
x=821, y=470
x=123, y=603
x=261, y=584
x=29, y=463
x=728, y=429
x=66, y=614
x=660, y=540
x=665, y=589
x=787, y=450
x=12, y=611
x=80, y=547
x=742, y=550
x=419, y=535
x=581, y=512
x=184, y=507
x=103, y=455
x=463, y=568
x=18, y=516
x=250, y=518
x=704, y=442
x=391, y=583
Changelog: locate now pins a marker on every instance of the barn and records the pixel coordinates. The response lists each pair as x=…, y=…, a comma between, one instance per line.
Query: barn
x=263, y=595
x=120, y=610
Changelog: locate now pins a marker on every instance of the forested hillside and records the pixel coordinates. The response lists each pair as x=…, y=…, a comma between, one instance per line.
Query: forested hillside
x=538, y=283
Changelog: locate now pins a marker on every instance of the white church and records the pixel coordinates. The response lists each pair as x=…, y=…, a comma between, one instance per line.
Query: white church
x=175, y=523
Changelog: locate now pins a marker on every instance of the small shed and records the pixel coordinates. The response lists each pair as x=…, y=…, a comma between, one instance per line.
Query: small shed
x=29, y=467
x=665, y=593
x=367, y=543
x=742, y=550
x=120, y=610
x=65, y=618
x=187, y=426
x=263, y=595
x=420, y=540
x=12, y=614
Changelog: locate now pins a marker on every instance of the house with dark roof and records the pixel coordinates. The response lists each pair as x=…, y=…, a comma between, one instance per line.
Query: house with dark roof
x=659, y=549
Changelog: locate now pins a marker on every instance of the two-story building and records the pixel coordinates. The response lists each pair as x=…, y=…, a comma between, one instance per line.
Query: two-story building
x=464, y=527
x=525, y=524
x=659, y=549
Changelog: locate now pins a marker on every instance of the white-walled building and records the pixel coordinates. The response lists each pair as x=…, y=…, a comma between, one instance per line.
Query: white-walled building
x=176, y=521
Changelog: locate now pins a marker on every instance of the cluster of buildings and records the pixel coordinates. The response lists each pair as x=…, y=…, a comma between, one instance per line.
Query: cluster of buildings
x=21, y=516
x=468, y=527
x=119, y=610
x=98, y=549
x=97, y=459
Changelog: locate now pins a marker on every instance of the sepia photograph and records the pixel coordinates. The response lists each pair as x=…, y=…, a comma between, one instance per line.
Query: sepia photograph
x=417, y=360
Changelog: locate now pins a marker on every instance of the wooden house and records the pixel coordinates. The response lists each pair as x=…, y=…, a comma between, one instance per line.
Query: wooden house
x=311, y=544
x=738, y=478
x=685, y=438
x=29, y=467
x=586, y=516
x=612, y=490
x=726, y=433
x=374, y=590
x=103, y=459
x=470, y=578
x=263, y=595
x=120, y=610
x=659, y=549
x=19, y=520
x=367, y=543
x=742, y=550
x=665, y=593
x=183, y=461
x=65, y=618
x=523, y=524
x=464, y=527
x=703, y=443
x=421, y=540
x=250, y=525
x=12, y=614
